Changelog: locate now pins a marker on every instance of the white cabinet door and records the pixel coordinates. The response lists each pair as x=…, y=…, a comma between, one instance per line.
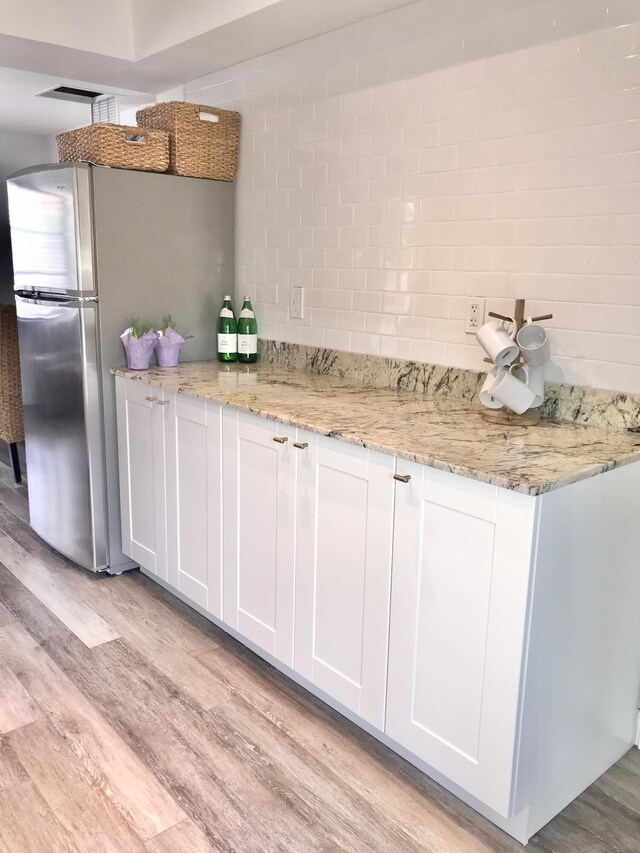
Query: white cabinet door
x=194, y=501
x=141, y=427
x=461, y=564
x=343, y=571
x=259, y=525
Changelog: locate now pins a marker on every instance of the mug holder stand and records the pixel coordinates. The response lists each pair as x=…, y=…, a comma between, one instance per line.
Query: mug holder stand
x=505, y=416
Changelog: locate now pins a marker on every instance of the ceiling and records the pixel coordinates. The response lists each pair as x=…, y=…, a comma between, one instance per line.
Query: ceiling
x=141, y=48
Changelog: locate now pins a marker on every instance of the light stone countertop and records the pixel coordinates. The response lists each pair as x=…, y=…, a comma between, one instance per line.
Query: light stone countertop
x=438, y=431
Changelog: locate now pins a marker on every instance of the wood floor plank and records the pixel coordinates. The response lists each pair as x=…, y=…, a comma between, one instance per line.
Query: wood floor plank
x=85, y=623
x=14, y=501
x=27, y=824
x=311, y=786
x=17, y=708
x=126, y=599
x=389, y=786
x=156, y=701
x=196, y=760
x=184, y=837
x=12, y=773
x=193, y=759
x=106, y=758
x=85, y=812
x=5, y=617
x=6, y=475
x=173, y=650
x=129, y=611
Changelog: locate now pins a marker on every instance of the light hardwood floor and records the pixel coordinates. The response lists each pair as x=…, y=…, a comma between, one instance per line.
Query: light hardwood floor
x=130, y=723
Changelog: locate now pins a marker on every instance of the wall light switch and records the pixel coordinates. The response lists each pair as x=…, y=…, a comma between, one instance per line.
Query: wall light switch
x=296, y=303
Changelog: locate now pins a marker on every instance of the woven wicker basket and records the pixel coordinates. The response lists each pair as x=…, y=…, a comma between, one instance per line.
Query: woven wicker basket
x=116, y=145
x=11, y=421
x=203, y=141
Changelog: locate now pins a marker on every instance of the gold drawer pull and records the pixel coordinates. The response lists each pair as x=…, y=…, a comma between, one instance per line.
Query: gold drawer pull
x=151, y=399
x=163, y=402
x=280, y=439
x=402, y=478
x=301, y=445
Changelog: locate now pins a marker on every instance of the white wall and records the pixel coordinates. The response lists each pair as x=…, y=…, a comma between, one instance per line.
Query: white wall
x=94, y=27
x=17, y=151
x=159, y=24
x=398, y=165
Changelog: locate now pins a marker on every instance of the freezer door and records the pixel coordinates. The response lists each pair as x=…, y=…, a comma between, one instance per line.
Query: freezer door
x=51, y=232
x=63, y=429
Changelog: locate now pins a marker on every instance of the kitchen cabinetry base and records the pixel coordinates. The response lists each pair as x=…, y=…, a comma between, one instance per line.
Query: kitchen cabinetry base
x=521, y=826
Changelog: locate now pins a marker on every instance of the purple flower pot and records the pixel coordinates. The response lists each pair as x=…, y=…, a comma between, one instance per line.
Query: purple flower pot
x=168, y=346
x=139, y=350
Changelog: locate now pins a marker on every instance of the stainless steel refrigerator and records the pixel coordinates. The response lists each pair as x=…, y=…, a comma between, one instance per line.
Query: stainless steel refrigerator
x=93, y=247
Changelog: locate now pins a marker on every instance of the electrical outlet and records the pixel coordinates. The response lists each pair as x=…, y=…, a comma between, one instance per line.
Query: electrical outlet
x=475, y=314
x=296, y=303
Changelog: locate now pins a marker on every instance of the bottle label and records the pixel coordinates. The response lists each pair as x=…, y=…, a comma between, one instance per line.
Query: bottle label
x=226, y=312
x=247, y=344
x=247, y=312
x=227, y=343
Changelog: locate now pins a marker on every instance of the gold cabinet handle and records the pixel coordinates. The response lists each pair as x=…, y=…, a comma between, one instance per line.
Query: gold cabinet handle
x=151, y=399
x=402, y=478
x=163, y=402
x=301, y=445
x=280, y=439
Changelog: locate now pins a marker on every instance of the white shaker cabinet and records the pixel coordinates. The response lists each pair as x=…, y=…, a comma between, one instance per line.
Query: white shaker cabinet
x=142, y=416
x=259, y=525
x=194, y=501
x=461, y=567
x=343, y=571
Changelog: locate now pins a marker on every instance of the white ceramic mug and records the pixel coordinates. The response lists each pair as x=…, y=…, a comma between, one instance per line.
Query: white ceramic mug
x=498, y=344
x=485, y=397
x=533, y=376
x=511, y=391
x=533, y=341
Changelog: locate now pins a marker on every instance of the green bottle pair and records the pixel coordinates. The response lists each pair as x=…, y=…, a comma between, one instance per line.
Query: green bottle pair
x=237, y=339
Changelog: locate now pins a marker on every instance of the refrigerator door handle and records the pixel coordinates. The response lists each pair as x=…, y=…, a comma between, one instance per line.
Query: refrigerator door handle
x=36, y=298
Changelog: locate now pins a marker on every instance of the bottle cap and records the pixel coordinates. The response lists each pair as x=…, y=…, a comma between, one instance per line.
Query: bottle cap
x=227, y=298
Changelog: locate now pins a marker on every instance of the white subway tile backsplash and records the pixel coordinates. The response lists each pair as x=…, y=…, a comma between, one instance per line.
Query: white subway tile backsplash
x=352, y=279
x=404, y=212
x=388, y=189
x=353, y=192
x=325, y=280
x=340, y=258
x=368, y=259
x=341, y=300
x=421, y=234
x=429, y=351
x=395, y=347
x=437, y=151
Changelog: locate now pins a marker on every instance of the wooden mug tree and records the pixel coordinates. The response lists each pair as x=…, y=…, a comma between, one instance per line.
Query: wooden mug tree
x=504, y=415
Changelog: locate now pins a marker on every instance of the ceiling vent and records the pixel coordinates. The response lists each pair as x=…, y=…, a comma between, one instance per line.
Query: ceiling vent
x=105, y=109
x=69, y=93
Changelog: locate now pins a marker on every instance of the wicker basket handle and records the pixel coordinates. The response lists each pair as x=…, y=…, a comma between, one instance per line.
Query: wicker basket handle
x=208, y=116
x=135, y=138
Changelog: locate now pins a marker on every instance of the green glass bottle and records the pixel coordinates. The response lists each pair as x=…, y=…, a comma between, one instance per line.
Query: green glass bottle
x=247, y=334
x=227, y=332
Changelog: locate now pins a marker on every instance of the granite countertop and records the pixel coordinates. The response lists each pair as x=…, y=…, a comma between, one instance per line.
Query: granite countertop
x=441, y=432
